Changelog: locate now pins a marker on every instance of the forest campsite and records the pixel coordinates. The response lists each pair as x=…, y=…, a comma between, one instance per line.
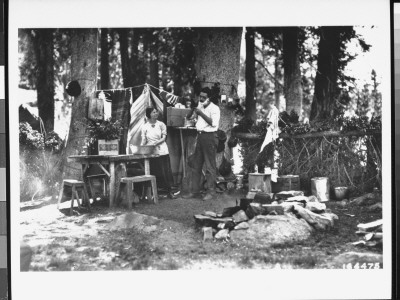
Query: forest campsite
x=200, y=148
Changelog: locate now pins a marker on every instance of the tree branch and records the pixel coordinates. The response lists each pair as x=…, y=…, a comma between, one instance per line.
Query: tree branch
x=269, y=74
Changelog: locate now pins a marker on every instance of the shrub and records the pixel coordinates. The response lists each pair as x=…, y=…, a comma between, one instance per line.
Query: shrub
x=354, y=161
x=40, y=162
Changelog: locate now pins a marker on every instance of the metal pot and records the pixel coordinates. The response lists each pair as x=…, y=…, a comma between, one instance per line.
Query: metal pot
x=148, y=149
x=341, y=192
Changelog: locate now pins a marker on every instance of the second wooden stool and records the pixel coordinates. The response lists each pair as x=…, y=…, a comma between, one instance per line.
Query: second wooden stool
x=129, y=181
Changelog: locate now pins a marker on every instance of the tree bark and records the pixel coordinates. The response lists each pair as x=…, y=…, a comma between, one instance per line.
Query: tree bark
x=153, y=65
x=250, y=75
x=292, y=75
x=279, y=101
x=44, y=48
x=84, y=70
x=104, y=63
x=326, y=88
x=218, y=60
x=134, y=61
x=125, y=62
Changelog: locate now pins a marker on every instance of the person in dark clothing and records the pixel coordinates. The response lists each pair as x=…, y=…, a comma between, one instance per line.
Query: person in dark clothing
x=208, y=116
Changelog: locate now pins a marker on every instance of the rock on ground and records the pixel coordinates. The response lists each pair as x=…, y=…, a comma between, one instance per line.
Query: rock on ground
x=134, y=220
x=270, y=230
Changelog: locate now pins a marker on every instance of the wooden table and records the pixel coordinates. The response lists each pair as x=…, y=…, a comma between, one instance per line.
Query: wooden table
x=112, y=161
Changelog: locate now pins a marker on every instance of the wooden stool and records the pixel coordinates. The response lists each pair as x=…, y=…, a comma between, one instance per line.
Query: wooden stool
x=102, y=177
x=129, y=181
x=260, y=181
x=75, y=185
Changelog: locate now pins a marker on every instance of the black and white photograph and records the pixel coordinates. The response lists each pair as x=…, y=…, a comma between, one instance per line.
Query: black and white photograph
x=172, y=143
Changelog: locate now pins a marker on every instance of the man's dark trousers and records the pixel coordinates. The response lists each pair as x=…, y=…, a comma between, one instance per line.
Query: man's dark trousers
x=205, y=153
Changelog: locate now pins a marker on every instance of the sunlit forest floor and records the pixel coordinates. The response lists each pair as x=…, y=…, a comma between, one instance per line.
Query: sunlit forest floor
x=165, y=237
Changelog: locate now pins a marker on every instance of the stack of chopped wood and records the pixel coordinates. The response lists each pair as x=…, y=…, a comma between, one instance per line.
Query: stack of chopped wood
x=288, y=202
x=371, y=234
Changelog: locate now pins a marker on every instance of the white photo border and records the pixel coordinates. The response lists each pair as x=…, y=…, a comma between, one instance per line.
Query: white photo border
x=222, y=284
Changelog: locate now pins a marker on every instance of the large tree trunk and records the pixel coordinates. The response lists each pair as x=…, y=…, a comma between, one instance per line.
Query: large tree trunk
x=218, y=60
x=44, y=48
x=326, y=88
x=84, y=70
x=134, y=61
x=104, y=63
x=153, y=66
x=250, y=75
x=279, y=101
x=125, y=62
x=292, y=75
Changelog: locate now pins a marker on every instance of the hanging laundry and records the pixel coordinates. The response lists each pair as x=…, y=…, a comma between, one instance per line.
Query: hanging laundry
x=169, y=98
x=138, y=116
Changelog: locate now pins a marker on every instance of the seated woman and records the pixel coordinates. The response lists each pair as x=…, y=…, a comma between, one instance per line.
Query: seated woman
x=154, y=133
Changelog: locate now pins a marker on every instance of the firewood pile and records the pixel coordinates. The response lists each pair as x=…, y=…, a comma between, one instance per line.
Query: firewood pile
x=371, y=234
x=218, y=225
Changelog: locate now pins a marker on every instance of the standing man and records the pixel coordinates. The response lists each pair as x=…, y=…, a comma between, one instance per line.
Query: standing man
x=208, y=115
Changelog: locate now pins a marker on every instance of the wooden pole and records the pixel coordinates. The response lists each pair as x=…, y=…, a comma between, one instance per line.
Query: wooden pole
x=255, y=136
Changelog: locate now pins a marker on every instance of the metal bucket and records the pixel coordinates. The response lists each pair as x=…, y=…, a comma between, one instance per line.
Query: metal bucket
x=320, y=188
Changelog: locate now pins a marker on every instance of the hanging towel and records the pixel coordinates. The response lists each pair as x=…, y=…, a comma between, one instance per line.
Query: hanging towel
x=138, y=115
x=268, y=139
x=120, y=102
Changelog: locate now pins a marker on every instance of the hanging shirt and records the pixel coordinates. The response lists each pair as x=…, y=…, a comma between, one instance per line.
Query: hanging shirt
x=272, y=134
x=272, y=118
x=212, y=111
x=152, y=133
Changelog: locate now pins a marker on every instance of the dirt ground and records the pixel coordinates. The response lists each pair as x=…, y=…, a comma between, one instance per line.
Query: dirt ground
x=165, y=237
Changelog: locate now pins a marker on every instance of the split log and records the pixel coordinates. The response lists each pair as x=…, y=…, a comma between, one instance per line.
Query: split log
x=378, y=235
x=288, y=194
x=375, y=225
x=359, y=243
x=298, y=199
x=210, y=214
x=316, y=207
x=321, y=222
x=243, y=225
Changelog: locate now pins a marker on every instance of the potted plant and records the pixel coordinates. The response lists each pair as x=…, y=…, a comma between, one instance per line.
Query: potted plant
x=106, y=134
